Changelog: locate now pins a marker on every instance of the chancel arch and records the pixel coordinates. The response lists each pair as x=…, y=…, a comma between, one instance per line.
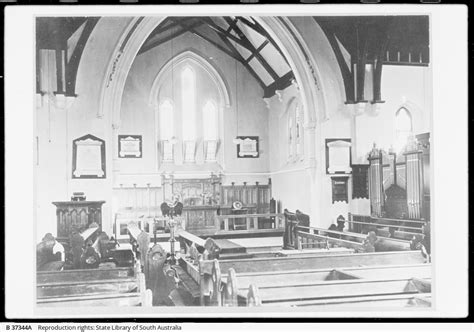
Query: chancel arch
x=229, y=140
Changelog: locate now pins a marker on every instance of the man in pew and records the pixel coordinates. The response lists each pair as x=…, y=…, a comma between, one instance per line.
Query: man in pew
x=48, y=254
x=419, y=242
x=333, y=227
x=90, y=259
x=340, y=224
x=76, y=242
x=370, y=242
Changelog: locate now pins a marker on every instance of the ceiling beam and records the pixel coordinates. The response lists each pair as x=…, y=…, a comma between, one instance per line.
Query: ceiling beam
x=220, y=47
x=280, y=84
x=265, y=43
x=258, y=28
x=147, y=47
x=224, y=33
x=250, y=46
x=73, y=64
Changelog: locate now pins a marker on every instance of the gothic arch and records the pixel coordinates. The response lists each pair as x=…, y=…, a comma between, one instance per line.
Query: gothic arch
x=198, y=60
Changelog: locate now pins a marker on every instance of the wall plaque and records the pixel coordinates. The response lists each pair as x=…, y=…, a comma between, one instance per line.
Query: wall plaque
x=339, y=189
x=247, y=147
x=88, y=158
x=130, y=146
x=338, y=156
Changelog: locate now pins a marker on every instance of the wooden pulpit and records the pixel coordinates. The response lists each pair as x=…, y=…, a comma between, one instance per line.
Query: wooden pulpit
x=77, y=214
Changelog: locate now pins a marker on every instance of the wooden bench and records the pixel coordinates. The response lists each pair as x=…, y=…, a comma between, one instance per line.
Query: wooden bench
x=359, y=223
x=92, y=287
x=349, y=239
x=296, y=295
x=205, y=273
x=390, y=286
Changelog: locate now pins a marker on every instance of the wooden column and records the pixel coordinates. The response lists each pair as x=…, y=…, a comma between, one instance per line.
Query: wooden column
x=376, y=182
x=414, y=174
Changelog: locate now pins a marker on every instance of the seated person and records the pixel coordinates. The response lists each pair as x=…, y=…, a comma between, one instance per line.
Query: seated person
x=46, y=253
x=370, y=242
x=172, y=209
x=340, y=224
x=90, y=259
x=418, y=243
x=333, y=227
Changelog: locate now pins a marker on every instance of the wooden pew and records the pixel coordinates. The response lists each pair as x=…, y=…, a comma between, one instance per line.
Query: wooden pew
x=308, y=277
x=360, y=222
x=205, y=272
x=92, y=287
x=386, y=285
x=351, y=239
x=299, y=294
x=321, y=261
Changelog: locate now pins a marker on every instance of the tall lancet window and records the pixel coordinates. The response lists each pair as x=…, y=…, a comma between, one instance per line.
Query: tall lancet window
x=188, y=102
x=210, y=130
x=291, y=138
x=299, y=130
x=166, y=129
x=403, y=128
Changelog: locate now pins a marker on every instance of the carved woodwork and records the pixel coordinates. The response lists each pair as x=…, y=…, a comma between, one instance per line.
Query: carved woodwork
x=78, y=216
x=376, y=182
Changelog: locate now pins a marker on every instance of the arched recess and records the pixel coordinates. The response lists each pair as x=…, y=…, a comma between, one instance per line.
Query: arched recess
x=198, y=60
x=304, y=66
x=293, y=47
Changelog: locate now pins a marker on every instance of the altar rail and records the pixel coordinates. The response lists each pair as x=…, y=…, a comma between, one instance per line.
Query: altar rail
x=249, y=222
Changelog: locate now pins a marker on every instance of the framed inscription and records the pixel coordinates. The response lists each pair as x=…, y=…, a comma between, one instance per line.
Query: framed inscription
x=247, y=147
x=88, y=158
x=338, y=156
x=339, y=189
x=130, y=146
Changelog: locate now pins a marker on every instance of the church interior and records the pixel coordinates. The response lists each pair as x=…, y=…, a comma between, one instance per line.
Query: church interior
x=232, y=161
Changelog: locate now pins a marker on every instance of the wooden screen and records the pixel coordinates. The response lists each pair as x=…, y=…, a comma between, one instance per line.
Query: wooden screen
x=414, y=182
x=376, y=182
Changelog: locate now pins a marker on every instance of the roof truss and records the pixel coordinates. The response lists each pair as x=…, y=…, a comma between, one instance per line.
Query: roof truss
x=223, y=39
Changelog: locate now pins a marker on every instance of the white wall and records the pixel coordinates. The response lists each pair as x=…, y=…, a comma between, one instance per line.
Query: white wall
x=57, y=127
x=138, y=116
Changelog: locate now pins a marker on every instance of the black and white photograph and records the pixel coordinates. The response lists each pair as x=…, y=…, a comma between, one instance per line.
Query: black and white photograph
x=234, y=161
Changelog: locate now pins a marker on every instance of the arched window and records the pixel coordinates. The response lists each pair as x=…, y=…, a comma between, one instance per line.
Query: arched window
x=210, y=130
x=209, y=118
x=166, y=120
x=290, y=134
x=403, y=127
x=299, y=130
x=166, y=129
x=188, y=100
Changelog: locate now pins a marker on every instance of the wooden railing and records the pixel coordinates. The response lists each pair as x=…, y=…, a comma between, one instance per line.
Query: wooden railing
x=249, y=222
x=409, y=227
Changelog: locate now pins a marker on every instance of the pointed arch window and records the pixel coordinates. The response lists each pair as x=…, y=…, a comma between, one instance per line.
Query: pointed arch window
x=188, y=102
x=166, y=116
x=403, y=127
x=290, y=135
x=299, y=130
x=210, y=130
